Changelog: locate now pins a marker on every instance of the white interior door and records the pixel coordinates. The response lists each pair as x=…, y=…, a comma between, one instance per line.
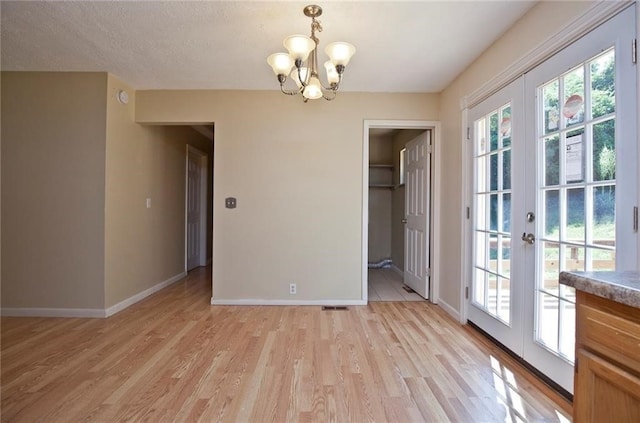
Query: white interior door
x=581, y=182
x=194, y=210
x=417, y=201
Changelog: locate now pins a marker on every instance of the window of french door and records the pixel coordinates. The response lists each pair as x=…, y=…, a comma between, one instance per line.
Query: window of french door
x=492, y=229
x=577, y=149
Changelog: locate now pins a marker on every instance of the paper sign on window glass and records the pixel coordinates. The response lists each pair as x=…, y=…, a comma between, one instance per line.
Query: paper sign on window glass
x=573, y=161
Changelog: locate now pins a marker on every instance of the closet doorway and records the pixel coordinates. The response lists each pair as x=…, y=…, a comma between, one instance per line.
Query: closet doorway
x=398, y=224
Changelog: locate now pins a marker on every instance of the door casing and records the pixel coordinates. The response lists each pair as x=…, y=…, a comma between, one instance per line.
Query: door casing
x=435, y=200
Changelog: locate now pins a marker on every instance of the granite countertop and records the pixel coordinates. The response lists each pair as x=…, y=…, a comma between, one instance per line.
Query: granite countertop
x=621, y=287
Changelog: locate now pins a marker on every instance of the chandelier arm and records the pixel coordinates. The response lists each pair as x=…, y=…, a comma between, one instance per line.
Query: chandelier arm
x=304, y=84
x=329, y=88
x=294, y=92
x=336, y=86
x=332, y=87
x=330, y=98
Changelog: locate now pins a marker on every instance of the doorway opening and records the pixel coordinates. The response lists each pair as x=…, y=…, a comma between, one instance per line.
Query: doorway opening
x=400, y=230
x=199, y=200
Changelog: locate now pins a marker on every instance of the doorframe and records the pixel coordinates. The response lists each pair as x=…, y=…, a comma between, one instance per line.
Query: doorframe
x=204, y=159
x=436, y=157
x=593, y=17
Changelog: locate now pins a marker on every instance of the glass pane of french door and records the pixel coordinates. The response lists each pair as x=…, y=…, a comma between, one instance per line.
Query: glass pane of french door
x=492, y=231
x=581, y=180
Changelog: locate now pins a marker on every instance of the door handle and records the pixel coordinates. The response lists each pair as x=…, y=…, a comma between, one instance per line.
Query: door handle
x=404, y=221
x=528, y=238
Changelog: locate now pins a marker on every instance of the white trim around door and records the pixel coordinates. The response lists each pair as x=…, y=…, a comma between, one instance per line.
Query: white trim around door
x=434, y=295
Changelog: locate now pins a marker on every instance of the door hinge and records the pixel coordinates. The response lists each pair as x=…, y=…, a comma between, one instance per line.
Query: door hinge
x=468, y=132
x=634, y=51
x=468, y=213
x=466, y=292
x=428, y=272
x=429, y=149
x=635, y=219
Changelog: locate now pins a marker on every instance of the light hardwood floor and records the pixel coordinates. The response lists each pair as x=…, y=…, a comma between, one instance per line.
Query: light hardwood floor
x=174, y=357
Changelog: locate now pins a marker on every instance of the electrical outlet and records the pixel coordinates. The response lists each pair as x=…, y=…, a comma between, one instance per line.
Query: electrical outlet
x=292, y=289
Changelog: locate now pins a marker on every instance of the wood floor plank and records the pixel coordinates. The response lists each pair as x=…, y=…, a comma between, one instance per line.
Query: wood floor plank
x=175, y=358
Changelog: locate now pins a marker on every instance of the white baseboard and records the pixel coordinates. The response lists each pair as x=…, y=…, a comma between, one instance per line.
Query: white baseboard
x=449, y=309
x=258, y=302
x=397, y=270
x=142, y=295
x=88, y=312
x=53, y=312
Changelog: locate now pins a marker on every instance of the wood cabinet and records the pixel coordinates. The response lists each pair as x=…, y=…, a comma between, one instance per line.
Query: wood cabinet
x=607, y=380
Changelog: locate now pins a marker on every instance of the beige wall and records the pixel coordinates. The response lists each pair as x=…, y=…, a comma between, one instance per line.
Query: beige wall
x=379, y=239
x=397, y=198
x=144, y=246
x=541, y=22
x=296, y=170
x=53, y=175
x=76, y=171
x=380, y=150
x=210, y=199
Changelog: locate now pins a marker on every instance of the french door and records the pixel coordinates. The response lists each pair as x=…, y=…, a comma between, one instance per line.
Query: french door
x=498, y=255
x=582, y=183
x=569, y=155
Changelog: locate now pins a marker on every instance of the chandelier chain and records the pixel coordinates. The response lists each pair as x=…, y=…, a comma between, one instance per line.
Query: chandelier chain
x=316, y=25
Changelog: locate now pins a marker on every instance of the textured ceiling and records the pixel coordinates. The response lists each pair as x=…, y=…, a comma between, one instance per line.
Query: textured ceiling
x=417, y=46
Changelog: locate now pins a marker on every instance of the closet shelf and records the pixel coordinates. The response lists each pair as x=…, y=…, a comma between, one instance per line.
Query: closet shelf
x=381, y=165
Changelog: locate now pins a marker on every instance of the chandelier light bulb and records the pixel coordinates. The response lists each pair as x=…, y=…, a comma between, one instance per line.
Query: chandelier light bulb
x=299, y=46
x=332, y=74
x=340, y=53
x=313, y=90
x=281, y=63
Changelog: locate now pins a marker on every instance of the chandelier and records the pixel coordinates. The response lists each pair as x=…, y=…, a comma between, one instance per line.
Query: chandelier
x=305, y=72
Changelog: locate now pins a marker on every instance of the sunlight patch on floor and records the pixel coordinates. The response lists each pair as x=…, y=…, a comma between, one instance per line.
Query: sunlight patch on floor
x=509, y=396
